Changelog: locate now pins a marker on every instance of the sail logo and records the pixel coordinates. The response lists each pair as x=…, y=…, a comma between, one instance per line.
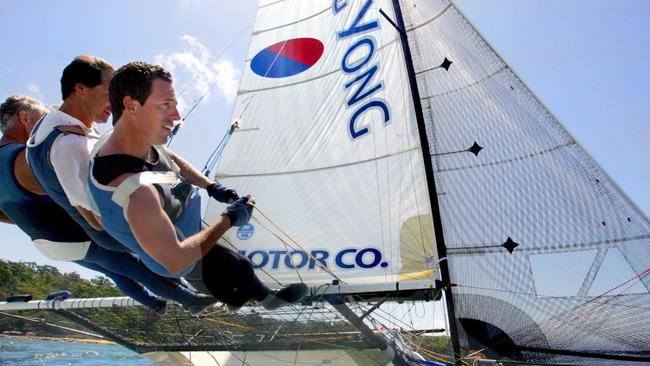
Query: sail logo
x=346, y=259
x=287, y=58
x=359, y=65
x=245, y=232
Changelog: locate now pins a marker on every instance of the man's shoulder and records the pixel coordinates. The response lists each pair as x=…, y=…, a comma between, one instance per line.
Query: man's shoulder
x=71, y=143
x=71, y=129
x=144, y=198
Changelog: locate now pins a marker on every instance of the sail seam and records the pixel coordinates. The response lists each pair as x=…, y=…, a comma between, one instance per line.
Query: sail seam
x=498, y=248
x=226, y=175
x=289, y=24
x=243, y=92
x=498, y=71
x=430, y=20
x=512, y=160
x=269, y=4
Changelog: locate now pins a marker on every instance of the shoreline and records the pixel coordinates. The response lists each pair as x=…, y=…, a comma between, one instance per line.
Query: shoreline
x=62, y=339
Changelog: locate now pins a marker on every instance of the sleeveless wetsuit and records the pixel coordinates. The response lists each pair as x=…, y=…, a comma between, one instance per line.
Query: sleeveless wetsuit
x=226, y=274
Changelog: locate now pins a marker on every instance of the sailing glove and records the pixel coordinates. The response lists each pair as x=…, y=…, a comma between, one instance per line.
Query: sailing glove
x=220, y=193
x=239, y=212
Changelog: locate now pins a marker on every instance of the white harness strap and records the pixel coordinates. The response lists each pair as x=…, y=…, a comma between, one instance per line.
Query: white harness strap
x=62, y=251
x=123, y=192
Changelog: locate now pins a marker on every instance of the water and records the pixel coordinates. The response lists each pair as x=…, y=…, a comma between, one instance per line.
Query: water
x=15, y=351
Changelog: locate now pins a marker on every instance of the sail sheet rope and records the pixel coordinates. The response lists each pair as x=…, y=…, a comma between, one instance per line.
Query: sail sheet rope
x=382, y=317
x=277, y=232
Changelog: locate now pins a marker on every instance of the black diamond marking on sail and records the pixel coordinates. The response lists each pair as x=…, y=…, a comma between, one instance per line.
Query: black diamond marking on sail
x=446, y=63
x=510, y=245
x=475, y=148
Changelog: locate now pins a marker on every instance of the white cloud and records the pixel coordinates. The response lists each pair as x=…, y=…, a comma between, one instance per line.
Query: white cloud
x=35, y=91
x=196, y=73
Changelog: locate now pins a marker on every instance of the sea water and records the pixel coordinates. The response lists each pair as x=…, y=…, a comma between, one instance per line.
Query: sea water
x=20, y=351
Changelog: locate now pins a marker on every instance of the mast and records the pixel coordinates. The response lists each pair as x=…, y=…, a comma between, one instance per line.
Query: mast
x=433, y=195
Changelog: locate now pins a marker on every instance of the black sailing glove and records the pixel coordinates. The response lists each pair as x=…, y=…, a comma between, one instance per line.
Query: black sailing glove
x=239, y=212
x=220, y=193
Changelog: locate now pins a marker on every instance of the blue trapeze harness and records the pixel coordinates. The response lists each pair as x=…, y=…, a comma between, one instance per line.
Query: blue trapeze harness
x=38, y=154
x=37, y=215
x=181, y=201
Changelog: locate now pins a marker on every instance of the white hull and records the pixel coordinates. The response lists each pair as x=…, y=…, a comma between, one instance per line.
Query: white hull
x=268, y=358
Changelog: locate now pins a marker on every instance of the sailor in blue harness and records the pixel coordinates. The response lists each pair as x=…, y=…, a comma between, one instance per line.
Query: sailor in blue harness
x=50, y=228
x=58, y=152
x=149, y=201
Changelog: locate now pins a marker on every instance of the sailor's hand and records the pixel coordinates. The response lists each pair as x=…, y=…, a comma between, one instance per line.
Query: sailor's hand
x=240, y=211
x=222, y=194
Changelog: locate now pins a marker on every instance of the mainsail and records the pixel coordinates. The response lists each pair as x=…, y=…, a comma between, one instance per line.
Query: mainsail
x=329, y=148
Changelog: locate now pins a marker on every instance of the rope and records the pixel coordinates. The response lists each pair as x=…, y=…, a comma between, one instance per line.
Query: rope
x=316, y=261
x=214, y=157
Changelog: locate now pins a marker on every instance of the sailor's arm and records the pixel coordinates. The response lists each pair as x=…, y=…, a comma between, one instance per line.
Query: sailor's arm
x=92, y=219
x=25, y=178
x=215, y=189
x=24, y=175
x=69, y=158
x=156, y=234
x=189, y=172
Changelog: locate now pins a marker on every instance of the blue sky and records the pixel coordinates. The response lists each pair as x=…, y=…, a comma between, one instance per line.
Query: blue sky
x=587, y=60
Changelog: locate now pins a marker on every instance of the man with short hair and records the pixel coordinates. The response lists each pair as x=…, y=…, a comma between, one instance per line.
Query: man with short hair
x=50, y=228
x=148, y=198
x=58, y=152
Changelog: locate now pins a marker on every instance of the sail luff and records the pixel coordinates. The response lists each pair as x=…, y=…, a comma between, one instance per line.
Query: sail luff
x=431, y=185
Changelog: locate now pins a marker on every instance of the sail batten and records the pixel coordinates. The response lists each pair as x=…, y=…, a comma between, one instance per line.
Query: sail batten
x=239, y=175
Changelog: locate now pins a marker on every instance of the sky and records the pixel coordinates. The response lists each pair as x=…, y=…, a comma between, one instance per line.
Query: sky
x=587, y=60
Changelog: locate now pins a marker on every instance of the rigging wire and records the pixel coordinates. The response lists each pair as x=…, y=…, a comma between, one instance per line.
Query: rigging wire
x=570, y=321
x=286, y=246
x=193, y=107
x=216, y=153
x=187, y=86
x=299, y=246
x=42, y=321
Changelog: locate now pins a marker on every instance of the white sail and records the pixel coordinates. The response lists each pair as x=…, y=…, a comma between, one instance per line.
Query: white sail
x=578, y=279
x=339, y=169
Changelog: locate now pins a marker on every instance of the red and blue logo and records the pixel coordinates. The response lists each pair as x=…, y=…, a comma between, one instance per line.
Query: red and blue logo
x=287, y=58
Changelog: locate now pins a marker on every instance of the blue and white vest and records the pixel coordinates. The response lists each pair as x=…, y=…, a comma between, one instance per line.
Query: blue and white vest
x=50, y=227
x=182, y=203
x=38, y=154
